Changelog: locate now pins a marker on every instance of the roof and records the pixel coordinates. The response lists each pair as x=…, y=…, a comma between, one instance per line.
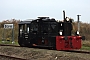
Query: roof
x=24, y=22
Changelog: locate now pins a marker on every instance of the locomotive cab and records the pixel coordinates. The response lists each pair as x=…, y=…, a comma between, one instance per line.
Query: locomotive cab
x=23, y=35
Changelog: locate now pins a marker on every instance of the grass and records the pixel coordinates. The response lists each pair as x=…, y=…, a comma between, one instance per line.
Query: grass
x=85, y=45
x=8, y=42
x=85, y=48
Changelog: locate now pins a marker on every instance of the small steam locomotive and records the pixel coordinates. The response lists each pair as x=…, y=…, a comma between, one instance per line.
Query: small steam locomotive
x=46, y=32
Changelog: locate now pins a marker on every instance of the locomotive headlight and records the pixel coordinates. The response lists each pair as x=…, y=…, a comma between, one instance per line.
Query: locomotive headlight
x=60, y=32
x=78, y=32
x=37, y=20
x=20, y=30
x=28, y=29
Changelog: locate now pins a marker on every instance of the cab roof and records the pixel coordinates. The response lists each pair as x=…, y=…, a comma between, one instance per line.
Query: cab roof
x=24, y=22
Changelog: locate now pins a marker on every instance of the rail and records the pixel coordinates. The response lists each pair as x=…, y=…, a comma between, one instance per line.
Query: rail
x=13, y=58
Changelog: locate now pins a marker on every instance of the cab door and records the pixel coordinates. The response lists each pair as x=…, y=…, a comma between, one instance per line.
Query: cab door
x=23, y=36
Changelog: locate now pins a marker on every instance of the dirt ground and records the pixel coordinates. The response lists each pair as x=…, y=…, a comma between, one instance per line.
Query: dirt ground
x=42, y=54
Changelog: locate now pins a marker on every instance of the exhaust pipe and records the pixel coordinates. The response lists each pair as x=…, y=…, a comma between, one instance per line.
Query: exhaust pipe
x=77, y=32
x=64, y=16
x=78, y=22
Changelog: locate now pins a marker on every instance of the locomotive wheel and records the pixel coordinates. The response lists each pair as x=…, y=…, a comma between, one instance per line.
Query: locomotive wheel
x=52, y=48
x=22, y=44
x=30, y=45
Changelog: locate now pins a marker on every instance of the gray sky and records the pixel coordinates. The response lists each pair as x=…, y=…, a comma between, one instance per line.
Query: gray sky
x=31, y=9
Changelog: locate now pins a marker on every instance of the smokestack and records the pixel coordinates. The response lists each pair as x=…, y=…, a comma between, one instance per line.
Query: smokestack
x=64, y=16
x=78, y=22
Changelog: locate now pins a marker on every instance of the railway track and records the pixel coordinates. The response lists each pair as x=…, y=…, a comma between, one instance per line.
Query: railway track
x=74, y=51
x=79, y=51
x=10, y=57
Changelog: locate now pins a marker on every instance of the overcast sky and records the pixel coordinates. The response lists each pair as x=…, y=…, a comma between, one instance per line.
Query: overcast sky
x=31, y=9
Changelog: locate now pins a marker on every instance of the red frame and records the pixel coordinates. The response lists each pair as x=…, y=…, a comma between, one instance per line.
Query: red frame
x=72, y=42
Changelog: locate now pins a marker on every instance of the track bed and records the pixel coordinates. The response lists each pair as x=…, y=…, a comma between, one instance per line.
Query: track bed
x=42, y=54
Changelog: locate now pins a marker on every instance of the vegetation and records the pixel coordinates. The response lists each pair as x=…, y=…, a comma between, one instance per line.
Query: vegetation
x=7, y=33
x=85, y=48
x=86, y=45
x=9, y=42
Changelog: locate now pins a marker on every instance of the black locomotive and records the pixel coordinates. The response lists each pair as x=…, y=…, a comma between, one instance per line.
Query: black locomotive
x=46, y=32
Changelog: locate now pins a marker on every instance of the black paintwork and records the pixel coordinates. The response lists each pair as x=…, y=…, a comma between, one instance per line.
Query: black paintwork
x=42, y=32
